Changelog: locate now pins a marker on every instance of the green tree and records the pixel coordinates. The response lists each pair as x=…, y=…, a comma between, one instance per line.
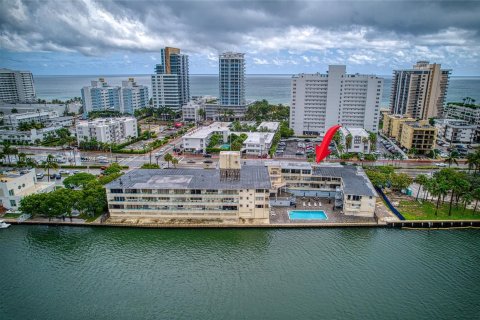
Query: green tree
x=48, y=164
x=372, y=136
x=452, y=158
x=113, y=168
x=8, y=150
x=168, y=157
x=78, y=180
x=421, y=180
x=348, y=141
x=174, y=162
x=150, y=166
x=400, y=181
x=202, y=114
x=93, y=199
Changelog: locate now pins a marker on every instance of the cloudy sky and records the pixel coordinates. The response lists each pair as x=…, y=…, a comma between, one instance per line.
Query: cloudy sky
x=124, y=37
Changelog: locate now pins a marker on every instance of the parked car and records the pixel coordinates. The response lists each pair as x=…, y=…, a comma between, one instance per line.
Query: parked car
x=190, y=161
x=64, y=172
x=76, y=171
x=40, y=175
x=53, y=176
x=208, y=161
x=58, y=176
x=206, y=155
x=299, y=154
x=440, y=164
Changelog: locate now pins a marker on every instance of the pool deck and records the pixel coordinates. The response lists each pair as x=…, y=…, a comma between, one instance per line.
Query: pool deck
x=279, y=215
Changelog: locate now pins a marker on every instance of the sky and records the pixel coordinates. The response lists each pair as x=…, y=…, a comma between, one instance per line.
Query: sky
x=278, y=37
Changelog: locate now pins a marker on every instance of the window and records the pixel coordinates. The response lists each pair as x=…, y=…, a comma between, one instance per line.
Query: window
x=13, y=203
x=10, y=192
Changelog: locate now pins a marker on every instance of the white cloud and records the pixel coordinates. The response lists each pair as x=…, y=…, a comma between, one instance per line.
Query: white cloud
x=260, y=61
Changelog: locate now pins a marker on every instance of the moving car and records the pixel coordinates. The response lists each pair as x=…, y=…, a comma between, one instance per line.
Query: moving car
x=206, y=155
x=440, y=164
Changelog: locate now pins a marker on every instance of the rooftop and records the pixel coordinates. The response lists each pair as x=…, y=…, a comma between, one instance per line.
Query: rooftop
x=356, y=131
x=256, y=137
x=355, y=181
x=204, y=132
x=271, y=126
x=251, y=177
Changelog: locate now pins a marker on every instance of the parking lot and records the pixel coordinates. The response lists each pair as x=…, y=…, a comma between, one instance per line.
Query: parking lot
x=296, y=148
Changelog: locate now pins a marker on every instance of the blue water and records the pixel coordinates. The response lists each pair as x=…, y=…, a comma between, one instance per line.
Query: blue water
x=225, y=146
x=307, y=215
x=274, y=88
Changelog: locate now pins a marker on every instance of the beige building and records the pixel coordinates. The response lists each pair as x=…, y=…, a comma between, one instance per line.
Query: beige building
x=392, y=124
x=419, y=92
x=418, y=135
x=233, y=193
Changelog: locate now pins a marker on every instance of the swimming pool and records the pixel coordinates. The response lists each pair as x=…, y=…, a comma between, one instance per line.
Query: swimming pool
x=225, y=146
x=307, y=215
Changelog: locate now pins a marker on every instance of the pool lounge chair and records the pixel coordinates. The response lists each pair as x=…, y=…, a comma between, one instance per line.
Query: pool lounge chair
x=319, y=204
x=314, y=204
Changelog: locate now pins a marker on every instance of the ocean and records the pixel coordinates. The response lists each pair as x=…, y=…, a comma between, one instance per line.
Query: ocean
x=274, y=88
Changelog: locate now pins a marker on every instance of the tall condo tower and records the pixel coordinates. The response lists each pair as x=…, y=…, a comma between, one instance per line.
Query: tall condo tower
x=16, y=86
x=171, y=81
x=320, y=101
x=100, y=96
x=232, y=83
x=419, y=92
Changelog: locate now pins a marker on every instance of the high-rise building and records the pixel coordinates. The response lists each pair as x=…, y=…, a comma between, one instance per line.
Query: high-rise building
x=320, y=101
x=419, y=92
x=16, y=86
x=232, y=79
x=231, y=70
x=171, y=81
x=100, y=97
x=132, y=96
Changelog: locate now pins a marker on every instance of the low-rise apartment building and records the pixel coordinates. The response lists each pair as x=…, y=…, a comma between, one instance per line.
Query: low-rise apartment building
x=257, y=143
x=107, y=130
x=233, y=193
x=191, y=111
x=197, y=140
x=269, y=126
x=456, y=131
x=15, y=185
x=348, y=186
x=392, y=123
x=360, y=142
x=419, y=136
x=32, y=136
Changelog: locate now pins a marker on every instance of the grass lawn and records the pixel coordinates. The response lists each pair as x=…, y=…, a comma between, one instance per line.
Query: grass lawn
x=12, y=215
x=414, y=210
x=88, y=218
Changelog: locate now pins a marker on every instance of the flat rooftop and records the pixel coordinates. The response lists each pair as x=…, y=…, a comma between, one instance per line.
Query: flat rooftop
x=204, y=132
x=255, y=137
x=251, y=177
x=269, y=125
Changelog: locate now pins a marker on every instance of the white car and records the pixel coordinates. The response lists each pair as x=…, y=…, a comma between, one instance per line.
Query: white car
x=440, y=164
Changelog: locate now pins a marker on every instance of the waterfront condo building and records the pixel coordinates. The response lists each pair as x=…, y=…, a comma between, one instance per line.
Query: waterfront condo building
x=231, y=70
x=171, y=81
x=132, y=96
x=419, y=92
x=107, y=130
x=16, y=86
x=320, y=101
x=99, y=96
x=233, y=193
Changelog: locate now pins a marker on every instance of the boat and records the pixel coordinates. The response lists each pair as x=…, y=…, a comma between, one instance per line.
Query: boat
x=4, y=225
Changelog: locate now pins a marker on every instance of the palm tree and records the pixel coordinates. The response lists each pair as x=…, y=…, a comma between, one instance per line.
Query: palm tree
x=365, y=141
x=202, y=114
x=8, y=150
x=472, y=161
x=50, y=164
x=452, y=158
x=174, y=162
x=476, y=197
x=168, y=157
x=348, y=141
x=340, y=148
x=421, y=180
